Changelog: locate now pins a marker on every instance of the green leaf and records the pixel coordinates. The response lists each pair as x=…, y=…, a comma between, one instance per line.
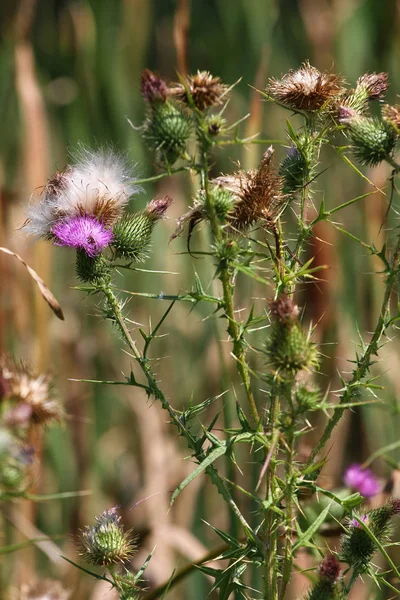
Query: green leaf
x=312, y=530
x=210, y=458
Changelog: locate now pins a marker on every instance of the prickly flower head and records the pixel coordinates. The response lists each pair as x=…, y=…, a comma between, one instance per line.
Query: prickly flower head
x=374, y=85
x=96, y=188
x=30, y=398
x=391, y=114
x=205, y=90
x=306, y=88
x=153, y=88
x=106, y=543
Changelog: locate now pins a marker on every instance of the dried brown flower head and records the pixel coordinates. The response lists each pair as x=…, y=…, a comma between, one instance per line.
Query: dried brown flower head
x=44, y=590
x=30, y=396
x=205, y=90
x=329, y=568
x=392, y=114
x=306, y=88
x=258, y=193
x=153, y=88
x=284, y=309
x=241, y=199
x=375, y=85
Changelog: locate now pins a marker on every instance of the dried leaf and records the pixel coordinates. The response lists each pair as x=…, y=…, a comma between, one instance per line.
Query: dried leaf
x=44, y=290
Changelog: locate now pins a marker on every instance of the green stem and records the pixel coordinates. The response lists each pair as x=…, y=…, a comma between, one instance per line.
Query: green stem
x=363, y=363
x=227, y=289
x=271, y=519
x=287, y=554
x=157, y=393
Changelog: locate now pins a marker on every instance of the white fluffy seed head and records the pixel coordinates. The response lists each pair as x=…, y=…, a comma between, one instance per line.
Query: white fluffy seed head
x=99, y=184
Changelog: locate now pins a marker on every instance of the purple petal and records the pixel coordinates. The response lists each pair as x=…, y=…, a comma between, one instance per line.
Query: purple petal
x=83, y=232
x=361, y=480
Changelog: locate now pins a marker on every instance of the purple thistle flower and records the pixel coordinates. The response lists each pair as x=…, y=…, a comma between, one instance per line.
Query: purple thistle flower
x=83, y=232
x=363, y=518
x=361, y=480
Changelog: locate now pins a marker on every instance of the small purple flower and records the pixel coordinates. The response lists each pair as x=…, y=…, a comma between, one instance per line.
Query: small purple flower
x=363, y=518
x=83, y=232
x=361, y=480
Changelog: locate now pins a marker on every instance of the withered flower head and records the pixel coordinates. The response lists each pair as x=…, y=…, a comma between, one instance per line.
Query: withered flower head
x=329, y=568
x=30, y=396
x=374, y=84
x=106, y=543
x=153, y=88
x=244, y=198
x=284, y=309
x=345, y=114
x=306, y=88
x=44, y=590
x=205, y=90
x=157, y=207
x=258, y=193
x=392, y=114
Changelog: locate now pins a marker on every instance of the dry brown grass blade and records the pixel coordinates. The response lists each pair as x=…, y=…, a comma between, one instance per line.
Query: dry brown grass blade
x=181, y=34
x=44, y=290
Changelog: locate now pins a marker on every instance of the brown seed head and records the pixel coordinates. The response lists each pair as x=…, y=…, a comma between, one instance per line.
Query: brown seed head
x=306, y=88
x=258, y=192
x=392, y=114
x=157, y=207
x=374, y=84
x=284, y=309
x=329, y=568
x=153, y=88
x=205, y=90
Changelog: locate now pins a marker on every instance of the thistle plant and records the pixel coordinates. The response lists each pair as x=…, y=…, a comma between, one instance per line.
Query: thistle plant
x=87, y=207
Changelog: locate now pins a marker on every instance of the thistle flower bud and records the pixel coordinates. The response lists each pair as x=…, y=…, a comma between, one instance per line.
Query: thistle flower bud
x=284, y=309
x=306, y=88
x=153, y=88
x=328, y=574
x=204, y=90
x=289, y=349
x=214, y=124
x=307, y=397
x=391, y=114
x=106, y=543
x=93, y=270
x=167, y=130
x=373, y=140
x=294, y=170
x=132, y=234
x=374, y=85
x=357, y=546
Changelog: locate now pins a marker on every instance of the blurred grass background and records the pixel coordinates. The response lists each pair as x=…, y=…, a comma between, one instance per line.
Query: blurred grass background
x=69, y=74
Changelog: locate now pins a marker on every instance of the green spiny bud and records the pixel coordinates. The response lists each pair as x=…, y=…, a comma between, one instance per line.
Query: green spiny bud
x=132, y=233
x=373, y=140
x=307, y=398
x=357, y=546
x=289, y=349
x=294, y=170
x=213, y=124
x=222, y=200
x=227, y=250
x=328, y=573
x=91, y=269
x=106, y=543
x=167, y=131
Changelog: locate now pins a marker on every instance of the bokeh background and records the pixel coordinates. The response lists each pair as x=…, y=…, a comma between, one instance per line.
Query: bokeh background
x=69, y=74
